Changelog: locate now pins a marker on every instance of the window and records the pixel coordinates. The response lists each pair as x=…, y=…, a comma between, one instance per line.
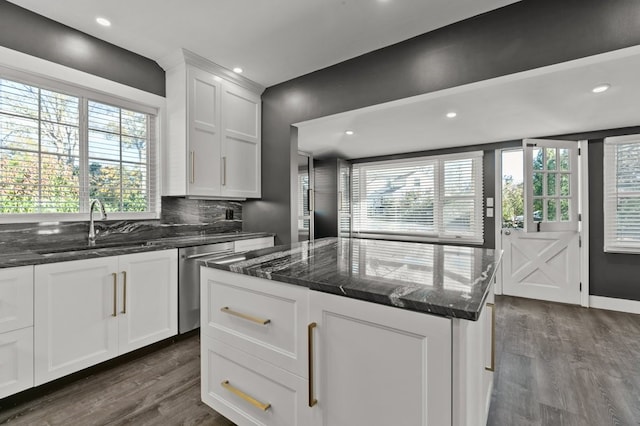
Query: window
x=61, y=148
x=437, y=198
x=622, y=194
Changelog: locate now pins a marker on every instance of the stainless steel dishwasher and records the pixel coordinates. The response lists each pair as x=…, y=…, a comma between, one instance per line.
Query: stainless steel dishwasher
x=189, y=281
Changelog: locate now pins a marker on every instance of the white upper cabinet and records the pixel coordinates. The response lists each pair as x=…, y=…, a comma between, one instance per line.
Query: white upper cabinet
x=213, y=145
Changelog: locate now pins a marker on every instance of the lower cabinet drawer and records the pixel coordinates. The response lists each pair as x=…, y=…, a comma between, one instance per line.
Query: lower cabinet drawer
x=264, y=318
x=249, y=391
x=16, y=361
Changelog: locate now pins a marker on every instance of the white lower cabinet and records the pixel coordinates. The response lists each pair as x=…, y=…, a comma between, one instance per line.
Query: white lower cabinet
x=16, y=330
x=379, y=365
x=251, y=391
x=370, y=364
x=88, y=311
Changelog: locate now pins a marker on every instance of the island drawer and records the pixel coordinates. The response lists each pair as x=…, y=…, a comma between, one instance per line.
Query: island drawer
x=250, y=391
x=264, y=318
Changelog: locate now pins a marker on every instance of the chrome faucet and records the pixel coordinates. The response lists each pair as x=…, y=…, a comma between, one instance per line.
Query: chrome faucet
x=92, y=231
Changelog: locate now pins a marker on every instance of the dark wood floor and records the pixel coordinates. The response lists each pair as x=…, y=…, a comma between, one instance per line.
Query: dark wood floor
x=556, y=365
x=565, y=365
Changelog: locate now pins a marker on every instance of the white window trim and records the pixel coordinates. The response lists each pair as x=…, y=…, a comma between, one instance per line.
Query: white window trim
x=22, y=67
x=428, y=237
x=610, y=196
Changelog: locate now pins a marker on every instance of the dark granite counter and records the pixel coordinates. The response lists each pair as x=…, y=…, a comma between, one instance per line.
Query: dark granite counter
x=73, y=251
x=452, y=281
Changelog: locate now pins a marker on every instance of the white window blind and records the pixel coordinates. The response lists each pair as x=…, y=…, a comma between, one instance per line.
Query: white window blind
x=622, y=194
x=438, y=197
x=60, y=149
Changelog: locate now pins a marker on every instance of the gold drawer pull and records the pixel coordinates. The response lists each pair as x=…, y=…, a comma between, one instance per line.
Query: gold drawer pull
x=312, y=400
x=493, y=337
x=257, y=320
x=264, y=407
x=115, y=294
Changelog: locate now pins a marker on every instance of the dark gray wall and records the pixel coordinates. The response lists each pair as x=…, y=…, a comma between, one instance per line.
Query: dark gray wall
x=610, y=274
x=526, y=35
x=36, y=35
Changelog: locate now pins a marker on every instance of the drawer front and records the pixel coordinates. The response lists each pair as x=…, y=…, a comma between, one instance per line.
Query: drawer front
x=16, y=361
x=250, y=391
x=265, y=318
x=16, y=298
x=253, y=244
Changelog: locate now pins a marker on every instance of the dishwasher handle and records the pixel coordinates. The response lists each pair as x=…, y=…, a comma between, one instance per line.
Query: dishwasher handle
x=211, y=253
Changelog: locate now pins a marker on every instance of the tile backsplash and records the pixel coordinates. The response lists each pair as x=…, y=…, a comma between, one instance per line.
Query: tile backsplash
x=179, y=217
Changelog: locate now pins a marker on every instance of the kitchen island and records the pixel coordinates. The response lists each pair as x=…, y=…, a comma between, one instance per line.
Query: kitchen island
x=349, y=332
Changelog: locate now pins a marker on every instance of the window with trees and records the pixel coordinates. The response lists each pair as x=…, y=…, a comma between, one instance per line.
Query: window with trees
x=61, y=148
x=430, y=198
x=622, y=194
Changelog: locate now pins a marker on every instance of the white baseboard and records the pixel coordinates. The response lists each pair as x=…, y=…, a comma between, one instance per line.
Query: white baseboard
x=613, y=304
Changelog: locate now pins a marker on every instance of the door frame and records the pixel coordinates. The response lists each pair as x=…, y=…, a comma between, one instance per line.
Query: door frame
x=583, y=227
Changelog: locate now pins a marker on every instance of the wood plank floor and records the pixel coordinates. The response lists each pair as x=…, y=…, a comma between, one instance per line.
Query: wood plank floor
x=556, y=365
x=565, y=365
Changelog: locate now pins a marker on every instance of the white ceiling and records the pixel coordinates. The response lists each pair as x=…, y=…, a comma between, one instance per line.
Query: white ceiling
x=547, y=101
x=273, y=41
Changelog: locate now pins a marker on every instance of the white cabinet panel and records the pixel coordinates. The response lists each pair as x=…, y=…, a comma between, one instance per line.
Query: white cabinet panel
x=370, y=355
x=214, y=128
x=203, y=133
x=75, y=322
x=241, y=142
x=236, y=307
x=89, y=311
x=232, y=376
x=16, y=298
x=16, y=361
x=149, y=308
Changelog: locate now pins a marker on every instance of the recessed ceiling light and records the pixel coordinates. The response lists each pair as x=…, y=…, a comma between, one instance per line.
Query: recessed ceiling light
x=601, y=88
x=348, y=132
x=452, y=114
x=103, y=21
x=216, y=78
x=238, y=70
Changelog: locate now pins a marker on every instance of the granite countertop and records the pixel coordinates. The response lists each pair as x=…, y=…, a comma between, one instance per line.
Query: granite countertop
x=446, y=280
x=66, y=252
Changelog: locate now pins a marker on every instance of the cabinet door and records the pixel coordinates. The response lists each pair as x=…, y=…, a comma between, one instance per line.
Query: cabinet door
x=16, y=298
x=75, y=324
x=203, y=133
x=240, y=142
x=379, y=365
x=148, y=311
x=16, y=361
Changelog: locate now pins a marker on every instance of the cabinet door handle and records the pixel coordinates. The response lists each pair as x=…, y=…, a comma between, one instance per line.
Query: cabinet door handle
x=251, y=318
x=224, y=170
x=115, y=294
x=192, y=160
x=312, y=400
x=251, y=400
x=492, y=367
x=124, y=292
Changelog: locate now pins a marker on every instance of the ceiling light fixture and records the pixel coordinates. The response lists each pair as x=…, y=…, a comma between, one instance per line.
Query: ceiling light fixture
x=238, y=70
x=601, y=88
x=103, y=21
x=349, y=132
x=452, y=114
